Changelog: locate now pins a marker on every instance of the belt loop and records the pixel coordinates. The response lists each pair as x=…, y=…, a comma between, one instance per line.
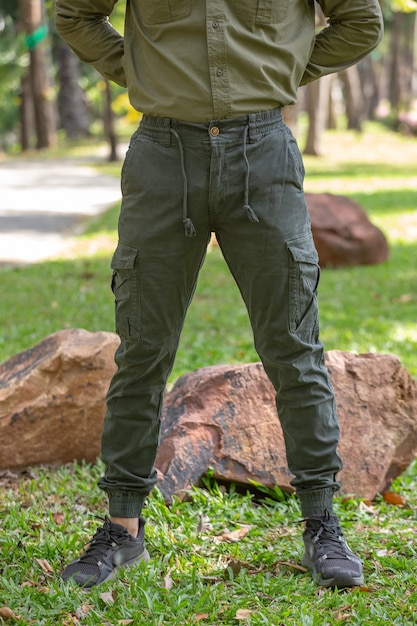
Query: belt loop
x=166, y=130
x=252, y=127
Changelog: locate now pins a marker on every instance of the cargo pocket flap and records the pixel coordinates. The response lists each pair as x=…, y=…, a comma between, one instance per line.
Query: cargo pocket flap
x=124, y=258
x=303, y=250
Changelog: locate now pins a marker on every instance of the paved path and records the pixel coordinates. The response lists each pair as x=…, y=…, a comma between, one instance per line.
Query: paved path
x=44, y=202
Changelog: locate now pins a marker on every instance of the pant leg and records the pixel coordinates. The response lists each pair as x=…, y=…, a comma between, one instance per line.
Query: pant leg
x=155, y=268
x=275, y=264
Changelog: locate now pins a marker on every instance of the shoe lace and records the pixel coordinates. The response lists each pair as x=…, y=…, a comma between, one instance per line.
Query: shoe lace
x=327, y=537
x=103, y=538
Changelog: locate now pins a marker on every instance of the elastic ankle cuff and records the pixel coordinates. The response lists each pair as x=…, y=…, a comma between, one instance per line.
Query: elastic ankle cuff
x=125, y=504
x=316, y=502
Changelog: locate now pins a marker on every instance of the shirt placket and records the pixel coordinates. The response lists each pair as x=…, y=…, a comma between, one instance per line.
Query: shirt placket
x=216, y=46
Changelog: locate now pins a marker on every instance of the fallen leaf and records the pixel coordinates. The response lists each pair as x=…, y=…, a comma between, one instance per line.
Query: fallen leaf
x=200, y=616
x=394, y=498
x=8, y=613
x=342, y=614
x=243, y=614
x=300, y=568
x=168, y=582
x=366, y=508
x=108, y=597
x=404, y=298
x=381, y=552
x=58, y=518
x=234, y=535
x=71, y=620
x=365, y=589
x=45, y=565
x=83, y=610
x=235, y=566
x=125, y=622
x=204, y=524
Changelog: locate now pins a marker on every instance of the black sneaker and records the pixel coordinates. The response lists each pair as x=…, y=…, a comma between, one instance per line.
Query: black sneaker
x=110, y=548
x=327, y=554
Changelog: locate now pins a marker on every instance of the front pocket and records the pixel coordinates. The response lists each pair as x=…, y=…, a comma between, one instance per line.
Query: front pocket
x=262, y=11
x=163, y=11
x=304, y=276
x=125, y=287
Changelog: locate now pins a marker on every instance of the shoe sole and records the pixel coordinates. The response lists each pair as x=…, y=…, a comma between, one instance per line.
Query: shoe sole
x=144, y=556
x=342, y=580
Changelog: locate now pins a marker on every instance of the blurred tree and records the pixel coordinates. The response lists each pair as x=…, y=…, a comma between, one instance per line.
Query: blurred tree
x=37, y=94
x=86, y=105
x=73, y=111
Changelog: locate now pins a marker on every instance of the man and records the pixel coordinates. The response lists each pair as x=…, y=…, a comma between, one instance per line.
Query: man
x=212, y=154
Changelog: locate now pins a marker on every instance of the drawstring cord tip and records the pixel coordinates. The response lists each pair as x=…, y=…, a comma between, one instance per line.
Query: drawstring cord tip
x=189, y=228
x=250, y=213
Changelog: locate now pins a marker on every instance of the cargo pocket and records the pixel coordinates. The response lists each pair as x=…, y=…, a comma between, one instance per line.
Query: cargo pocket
x=304, y=276
x=164, y=11
x=262, y=11
x=125, y=287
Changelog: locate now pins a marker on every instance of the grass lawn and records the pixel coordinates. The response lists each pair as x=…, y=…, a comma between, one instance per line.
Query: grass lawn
x=197, y=574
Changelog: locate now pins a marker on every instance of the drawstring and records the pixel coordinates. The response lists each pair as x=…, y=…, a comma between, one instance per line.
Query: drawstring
x=250, y=213
x=189, y=228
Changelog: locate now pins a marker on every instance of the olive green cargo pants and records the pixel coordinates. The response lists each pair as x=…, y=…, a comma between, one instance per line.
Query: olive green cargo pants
x=242, y=179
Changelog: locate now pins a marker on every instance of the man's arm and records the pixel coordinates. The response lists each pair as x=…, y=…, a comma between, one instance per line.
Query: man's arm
x=355, y=28
x=85, y=26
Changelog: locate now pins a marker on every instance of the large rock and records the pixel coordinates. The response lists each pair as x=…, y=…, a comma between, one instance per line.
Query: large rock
x=52, y=399
x=342, y=232
x=224, y=418
x=52, y=404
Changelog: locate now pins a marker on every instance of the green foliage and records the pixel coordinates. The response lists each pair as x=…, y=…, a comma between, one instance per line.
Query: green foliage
x=13, y=62
x=405, y=6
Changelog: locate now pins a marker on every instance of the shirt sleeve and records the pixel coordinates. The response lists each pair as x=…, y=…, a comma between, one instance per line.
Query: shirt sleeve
x=85, y=26
x=355, y=27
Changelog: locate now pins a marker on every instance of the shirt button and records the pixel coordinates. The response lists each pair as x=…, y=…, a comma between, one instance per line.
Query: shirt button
x=215, y=24
x=219, y=72
x=214, y=131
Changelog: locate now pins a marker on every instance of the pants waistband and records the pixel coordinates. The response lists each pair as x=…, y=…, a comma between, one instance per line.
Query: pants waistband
x=258, y=125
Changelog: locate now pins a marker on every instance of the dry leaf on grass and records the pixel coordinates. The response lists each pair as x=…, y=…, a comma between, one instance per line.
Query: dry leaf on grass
x=394, y=498
x=125, y=622
x=58, y=518
x=200, y=616
x=108, y=597
x=342, y=614
x=8, y=613
x=243, y=614
x=83, y=610
x=47, y=567
x=168, y=582
x=234, y=535
x=300, y=568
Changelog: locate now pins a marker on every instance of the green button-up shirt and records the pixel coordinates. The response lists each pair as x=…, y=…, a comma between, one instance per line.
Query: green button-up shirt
x=199, y=60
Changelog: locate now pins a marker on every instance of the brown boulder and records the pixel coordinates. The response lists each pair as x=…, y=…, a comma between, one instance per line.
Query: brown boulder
x=224, y=417
x=342, y=232
x=52, y=399
x=52, y=403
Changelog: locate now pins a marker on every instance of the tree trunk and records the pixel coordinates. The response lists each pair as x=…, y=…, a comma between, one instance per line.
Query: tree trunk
x=27, y=124
x=72, y=105
x=394, y=84
x=318, y=93
x=353, y=97
x=31, y=19
x=109, y=125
